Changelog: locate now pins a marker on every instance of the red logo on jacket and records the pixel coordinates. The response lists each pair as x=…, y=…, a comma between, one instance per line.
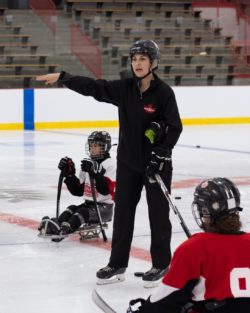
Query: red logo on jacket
x=149, y=108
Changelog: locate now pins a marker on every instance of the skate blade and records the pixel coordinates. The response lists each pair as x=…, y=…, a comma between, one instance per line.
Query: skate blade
x=50, y=237
x=115, y=279
x=151, y=284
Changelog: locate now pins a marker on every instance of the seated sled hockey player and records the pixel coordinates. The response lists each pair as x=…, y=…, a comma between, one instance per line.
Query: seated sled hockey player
x=102, y=168
x=209, y=272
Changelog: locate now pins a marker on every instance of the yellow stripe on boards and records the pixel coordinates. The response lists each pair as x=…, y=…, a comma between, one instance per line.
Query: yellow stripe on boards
x=80, y=124
x=11, y=126
x=102, y=124
x=216, y=120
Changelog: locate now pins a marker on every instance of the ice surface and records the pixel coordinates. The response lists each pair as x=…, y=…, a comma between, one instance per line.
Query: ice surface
x=39, y=276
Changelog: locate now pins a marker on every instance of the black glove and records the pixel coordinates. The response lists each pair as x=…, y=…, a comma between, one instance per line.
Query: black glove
x=134, y=305
x=160, y=156
x=67, y=166
x=155, y=132
x=92, y=167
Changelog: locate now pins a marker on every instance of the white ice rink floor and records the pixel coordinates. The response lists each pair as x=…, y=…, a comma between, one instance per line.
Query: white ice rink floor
x=38, y=276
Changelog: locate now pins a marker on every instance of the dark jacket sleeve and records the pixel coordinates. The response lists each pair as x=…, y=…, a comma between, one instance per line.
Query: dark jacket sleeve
x=74, y=186
x=101, y=90
x=173, y=122
x=173, y=303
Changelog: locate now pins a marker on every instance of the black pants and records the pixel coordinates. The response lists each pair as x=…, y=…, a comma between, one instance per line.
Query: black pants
x=76, y=215
x=230, y=305
x=129, y=185
x=233, y=305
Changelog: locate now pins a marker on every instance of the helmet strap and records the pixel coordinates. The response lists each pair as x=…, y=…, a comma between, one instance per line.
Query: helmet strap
x=141, y=78
x=151, y=71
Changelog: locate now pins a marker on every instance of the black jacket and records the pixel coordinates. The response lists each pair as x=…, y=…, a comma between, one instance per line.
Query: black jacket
x=136, y=111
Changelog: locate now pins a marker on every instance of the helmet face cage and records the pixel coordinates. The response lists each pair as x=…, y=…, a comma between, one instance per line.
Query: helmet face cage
x=103, y=140
x=214, y=199
x=197, y=215
x=149, y=48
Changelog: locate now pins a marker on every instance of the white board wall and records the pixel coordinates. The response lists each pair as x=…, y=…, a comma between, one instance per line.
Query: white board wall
x=63, y=105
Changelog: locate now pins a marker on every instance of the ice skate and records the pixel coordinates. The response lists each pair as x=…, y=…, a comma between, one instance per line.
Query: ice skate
x=110, y=275
x=153, y=277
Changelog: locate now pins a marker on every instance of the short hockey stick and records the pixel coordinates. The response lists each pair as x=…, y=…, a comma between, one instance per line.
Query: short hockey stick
x=58, y=198
x=98, y=300
x=173, y=207
x=92, y=186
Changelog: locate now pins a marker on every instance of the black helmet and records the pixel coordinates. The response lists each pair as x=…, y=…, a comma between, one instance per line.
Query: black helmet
x=148, y=47
x=101, y=138
x=215, y=198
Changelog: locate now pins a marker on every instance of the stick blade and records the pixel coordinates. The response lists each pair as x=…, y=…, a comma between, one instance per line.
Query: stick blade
x=98, y=300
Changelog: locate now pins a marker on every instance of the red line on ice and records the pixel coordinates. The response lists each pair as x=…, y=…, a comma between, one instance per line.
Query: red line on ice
x=137, y=253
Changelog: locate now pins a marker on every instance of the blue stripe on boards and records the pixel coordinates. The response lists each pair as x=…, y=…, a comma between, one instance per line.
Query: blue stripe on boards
x=28, y=110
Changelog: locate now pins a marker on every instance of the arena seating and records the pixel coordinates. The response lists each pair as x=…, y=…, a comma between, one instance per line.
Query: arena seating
x=2, y=10
x=3, y=45
x=14, y=28
x=22, y=81
x=193, y=50
x=24, y=38
x=19, y=59
x=20, y=68
x=10, y=58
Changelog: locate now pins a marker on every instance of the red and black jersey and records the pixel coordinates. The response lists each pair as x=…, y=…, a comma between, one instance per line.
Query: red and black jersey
x=104, y=185
x=221, y=263
x=109, y=180
x=207, y=267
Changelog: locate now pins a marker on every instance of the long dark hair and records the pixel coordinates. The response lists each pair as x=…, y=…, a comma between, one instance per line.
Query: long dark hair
x=230, y=224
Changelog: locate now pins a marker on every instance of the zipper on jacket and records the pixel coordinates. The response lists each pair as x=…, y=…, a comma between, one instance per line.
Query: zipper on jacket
x=138, y=85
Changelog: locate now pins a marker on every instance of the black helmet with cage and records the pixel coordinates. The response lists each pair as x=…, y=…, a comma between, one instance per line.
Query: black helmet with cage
x=149, y=48
x=215, y=199
x=102, y=139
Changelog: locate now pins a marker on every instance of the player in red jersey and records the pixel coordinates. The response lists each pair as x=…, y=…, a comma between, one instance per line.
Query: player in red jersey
x=209, y=272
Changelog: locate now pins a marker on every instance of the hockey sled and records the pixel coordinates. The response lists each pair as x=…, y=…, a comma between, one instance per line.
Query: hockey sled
x=55, y=238
x=90, y=231
x=86, y=231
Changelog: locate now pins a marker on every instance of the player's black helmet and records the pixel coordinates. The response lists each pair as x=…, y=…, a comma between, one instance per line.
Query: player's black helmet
x=215, y=198
x=101, y=138
x=149, y=48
